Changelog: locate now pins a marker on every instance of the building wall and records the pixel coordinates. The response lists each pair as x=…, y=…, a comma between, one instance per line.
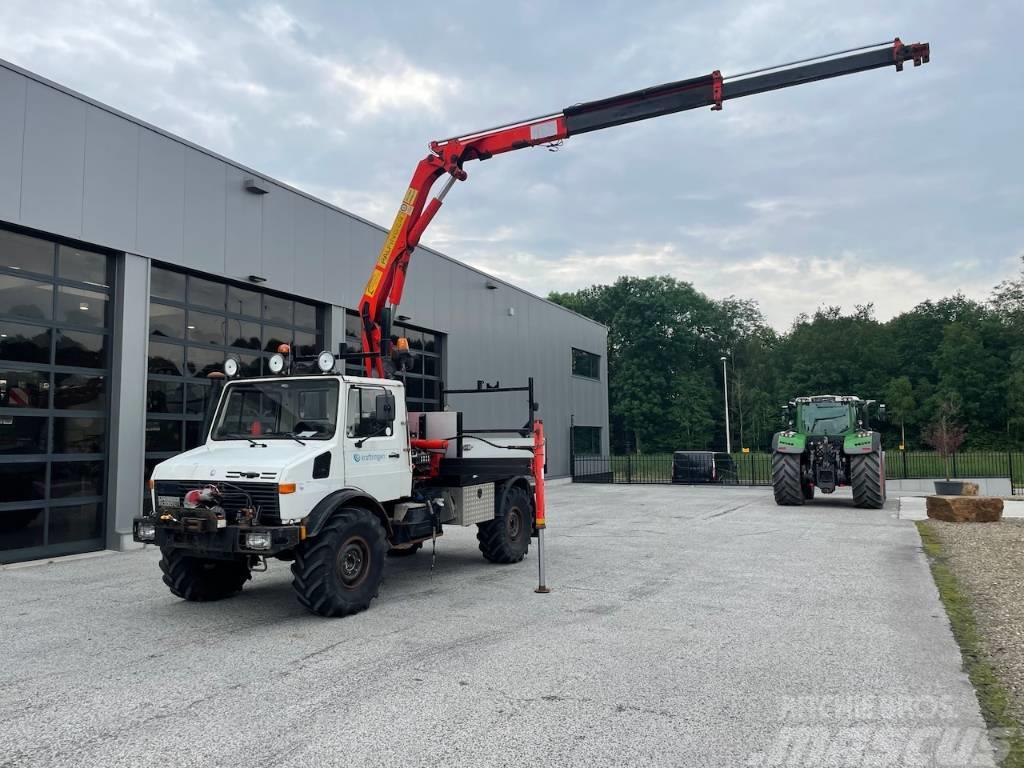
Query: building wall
x=72, y=167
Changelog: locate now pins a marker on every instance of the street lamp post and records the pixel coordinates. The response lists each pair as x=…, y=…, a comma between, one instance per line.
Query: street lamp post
x=725, y=379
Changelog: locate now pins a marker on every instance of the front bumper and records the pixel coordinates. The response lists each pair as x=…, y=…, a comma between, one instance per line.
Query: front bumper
x=203, y=537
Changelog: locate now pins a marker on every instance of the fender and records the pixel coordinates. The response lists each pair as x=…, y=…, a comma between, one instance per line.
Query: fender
x=862, y=442
x=346, y=497
x=789, y=442
x=519, y=481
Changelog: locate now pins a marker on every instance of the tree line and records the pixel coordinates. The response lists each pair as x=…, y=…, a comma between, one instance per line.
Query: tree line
x=954, y=358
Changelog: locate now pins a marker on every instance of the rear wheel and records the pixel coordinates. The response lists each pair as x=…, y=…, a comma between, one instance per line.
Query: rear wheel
x=339, y=571
x=867, y=476
x=506, y=538
x=786, y=479
x=200, y=580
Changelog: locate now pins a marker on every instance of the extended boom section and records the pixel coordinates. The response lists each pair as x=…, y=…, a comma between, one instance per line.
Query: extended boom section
x=448, y=156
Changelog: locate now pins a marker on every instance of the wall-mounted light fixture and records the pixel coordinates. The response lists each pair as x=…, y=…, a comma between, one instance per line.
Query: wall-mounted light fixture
x=404, y=318
x=490, y=285
x=255, y=186
x=257, y=279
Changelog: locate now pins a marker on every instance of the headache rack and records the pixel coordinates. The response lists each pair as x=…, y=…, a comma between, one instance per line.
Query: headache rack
x=481, y=454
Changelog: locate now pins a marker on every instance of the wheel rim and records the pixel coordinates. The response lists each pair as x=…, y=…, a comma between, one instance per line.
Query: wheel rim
x=353, y=562
x=514, y=521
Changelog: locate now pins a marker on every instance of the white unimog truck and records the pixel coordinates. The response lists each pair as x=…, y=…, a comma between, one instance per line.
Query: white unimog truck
x=332, y=473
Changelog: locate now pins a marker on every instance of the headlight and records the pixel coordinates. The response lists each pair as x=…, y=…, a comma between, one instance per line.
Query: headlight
x=257, y=540
x=145, y=531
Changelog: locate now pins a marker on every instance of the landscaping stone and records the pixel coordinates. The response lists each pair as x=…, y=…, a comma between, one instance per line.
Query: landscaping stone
x=965, y=509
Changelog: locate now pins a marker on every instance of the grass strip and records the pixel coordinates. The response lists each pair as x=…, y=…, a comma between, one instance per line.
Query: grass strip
x=993, y=698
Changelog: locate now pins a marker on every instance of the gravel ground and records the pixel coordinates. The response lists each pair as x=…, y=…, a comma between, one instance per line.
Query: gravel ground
x=686, y=627
x=988, y=560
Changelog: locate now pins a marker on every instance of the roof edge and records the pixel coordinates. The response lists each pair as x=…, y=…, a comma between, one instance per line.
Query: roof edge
x=210, y=153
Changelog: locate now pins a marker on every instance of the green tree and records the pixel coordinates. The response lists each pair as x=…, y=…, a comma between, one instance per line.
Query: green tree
x=901, y=404
x=662, y=338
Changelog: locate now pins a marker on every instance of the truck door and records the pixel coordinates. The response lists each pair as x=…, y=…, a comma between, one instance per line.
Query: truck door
x=377, y=459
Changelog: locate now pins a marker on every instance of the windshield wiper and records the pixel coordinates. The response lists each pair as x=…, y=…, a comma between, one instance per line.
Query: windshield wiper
x=382, y=430
x=294, y=437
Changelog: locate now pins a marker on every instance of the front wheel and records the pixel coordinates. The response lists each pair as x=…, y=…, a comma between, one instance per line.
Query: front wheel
x=786, y=479
x=200, y=580
x=339, y=571
x=506, y=538
x=867, y=476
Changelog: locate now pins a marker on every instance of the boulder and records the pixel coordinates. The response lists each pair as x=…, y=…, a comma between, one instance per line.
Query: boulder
x=965, y=509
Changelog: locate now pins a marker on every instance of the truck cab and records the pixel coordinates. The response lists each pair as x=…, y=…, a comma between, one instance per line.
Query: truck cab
x=309, y=436
x=332, y=472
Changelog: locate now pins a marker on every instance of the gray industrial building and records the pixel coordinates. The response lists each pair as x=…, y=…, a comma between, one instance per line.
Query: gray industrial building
x=133, y=262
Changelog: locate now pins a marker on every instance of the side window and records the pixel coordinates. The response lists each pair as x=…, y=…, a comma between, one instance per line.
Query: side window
x=362, y=413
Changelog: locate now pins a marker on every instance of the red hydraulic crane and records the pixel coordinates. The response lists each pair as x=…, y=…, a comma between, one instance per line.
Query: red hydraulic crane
x=449, y=155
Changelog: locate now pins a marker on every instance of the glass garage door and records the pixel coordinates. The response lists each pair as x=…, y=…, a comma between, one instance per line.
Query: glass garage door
x=54, y=374
x=423, y=379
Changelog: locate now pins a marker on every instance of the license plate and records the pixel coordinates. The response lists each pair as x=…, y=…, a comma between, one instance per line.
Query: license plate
x=168, y=501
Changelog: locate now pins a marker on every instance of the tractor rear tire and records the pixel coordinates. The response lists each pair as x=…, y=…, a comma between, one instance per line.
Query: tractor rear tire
x=867, y=476
x=506, y=538
x=339, y=571
x=786, y=480
x=200, y=580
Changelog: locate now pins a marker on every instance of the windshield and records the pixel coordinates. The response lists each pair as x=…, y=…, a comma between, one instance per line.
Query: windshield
x=824, y=418
x=278, y=409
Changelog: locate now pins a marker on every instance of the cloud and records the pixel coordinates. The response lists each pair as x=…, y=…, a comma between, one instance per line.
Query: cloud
x=887, y=183
x=783, y=284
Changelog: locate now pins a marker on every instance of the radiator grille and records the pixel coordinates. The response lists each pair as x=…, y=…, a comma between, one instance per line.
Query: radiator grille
x=235, y=494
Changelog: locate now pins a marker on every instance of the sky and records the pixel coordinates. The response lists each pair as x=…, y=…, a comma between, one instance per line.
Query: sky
x=880, y=187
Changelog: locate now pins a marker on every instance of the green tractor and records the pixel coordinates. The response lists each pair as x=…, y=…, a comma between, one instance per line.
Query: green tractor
x=828, y=443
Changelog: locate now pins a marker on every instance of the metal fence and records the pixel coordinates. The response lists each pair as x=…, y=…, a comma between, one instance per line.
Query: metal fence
x=756, y=468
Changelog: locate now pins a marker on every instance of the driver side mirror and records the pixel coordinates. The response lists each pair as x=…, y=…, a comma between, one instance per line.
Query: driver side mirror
x=881, y=412
x=384, y=408
x=786, y=420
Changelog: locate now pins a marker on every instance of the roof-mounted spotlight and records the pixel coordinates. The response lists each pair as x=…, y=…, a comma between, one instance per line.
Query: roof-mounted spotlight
x=325, y=361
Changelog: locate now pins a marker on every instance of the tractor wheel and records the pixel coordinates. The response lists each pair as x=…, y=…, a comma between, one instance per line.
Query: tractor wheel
x=867, y=476
x=786, y=479
x=339, y=571
x=406, y=552
x=200, y=580
x=808, y=489
x=506, y=538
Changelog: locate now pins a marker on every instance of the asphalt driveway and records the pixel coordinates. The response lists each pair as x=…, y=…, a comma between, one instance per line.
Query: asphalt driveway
x=687, y=626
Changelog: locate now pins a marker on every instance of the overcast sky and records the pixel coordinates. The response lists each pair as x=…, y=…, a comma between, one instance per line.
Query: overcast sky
x=883, y=186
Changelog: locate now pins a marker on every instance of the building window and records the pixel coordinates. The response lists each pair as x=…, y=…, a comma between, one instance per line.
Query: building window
x=54, y=377
x=423, y=380
x=586, y=441
x=195, y=323
x=586, y=364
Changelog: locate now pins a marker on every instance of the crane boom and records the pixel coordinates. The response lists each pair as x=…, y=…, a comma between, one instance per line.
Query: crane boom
x=447, y=156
